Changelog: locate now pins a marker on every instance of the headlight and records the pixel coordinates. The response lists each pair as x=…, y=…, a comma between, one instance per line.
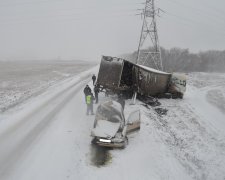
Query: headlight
x=105, y=140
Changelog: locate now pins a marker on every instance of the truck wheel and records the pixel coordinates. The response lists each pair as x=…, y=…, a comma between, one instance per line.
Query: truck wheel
x=168, y=95
x=181, y=96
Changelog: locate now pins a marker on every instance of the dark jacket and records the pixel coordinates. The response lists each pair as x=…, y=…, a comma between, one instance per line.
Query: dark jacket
x=96, y=90
x=87, y=90
x=93, y=77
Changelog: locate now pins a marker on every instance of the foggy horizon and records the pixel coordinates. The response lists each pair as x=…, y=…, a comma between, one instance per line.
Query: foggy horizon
x=78, y=30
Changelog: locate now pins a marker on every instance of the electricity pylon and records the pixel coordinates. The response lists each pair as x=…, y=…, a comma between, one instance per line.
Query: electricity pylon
x=151, y=55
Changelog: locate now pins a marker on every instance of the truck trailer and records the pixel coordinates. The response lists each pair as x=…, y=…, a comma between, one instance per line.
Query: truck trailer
x=120, y=75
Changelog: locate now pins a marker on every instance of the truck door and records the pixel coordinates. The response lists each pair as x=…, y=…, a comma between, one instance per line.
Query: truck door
x=110, y=72
x=133, y=122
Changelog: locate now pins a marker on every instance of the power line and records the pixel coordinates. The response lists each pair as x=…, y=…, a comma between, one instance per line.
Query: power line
x=186, y=24
x=193, y=21
x=199, y=11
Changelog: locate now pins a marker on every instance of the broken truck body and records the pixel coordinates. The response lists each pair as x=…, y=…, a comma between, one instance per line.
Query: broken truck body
x=118, y=75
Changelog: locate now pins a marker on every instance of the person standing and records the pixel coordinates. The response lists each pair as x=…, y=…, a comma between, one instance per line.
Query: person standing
x=93, y=79
x=87, y=90
x=96, y=90
x=89, y=101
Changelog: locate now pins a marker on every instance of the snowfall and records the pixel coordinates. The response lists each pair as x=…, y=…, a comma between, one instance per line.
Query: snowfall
x=45, y=132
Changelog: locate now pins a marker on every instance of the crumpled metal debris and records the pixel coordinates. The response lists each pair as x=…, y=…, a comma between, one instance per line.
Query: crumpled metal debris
x=150, y=101
x=161, y=111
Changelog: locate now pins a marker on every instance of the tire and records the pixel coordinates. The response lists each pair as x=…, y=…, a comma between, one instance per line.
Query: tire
x=125, y=143
x=93, y=141
x=168, y=95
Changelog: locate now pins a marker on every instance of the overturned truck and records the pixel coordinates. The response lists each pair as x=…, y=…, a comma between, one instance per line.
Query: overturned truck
x=119, y=75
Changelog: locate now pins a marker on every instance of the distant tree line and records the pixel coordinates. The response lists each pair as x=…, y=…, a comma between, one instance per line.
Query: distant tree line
x=181, y=60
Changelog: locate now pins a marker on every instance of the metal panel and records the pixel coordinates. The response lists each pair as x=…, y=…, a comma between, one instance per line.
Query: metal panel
x=110, y=72
x=150, y=83
x=133, y=121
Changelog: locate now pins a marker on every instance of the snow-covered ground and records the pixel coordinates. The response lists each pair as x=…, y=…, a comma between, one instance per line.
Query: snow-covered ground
x=48, y=137
x=21, y=80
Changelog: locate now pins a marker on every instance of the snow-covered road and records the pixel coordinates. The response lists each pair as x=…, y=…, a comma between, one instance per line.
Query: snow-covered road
x=49, y=138
x=22, y=139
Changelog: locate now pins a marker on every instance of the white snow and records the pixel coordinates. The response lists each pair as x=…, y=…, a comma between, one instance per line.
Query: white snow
x=19, y=81
x=153, y=70
x=49, y=137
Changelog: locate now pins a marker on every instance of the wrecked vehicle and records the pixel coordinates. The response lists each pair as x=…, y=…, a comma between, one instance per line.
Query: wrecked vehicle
x=128, y=77
x=177, y=85
x=110, y=126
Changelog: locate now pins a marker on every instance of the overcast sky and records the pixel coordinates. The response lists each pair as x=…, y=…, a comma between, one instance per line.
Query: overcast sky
x=87, y=29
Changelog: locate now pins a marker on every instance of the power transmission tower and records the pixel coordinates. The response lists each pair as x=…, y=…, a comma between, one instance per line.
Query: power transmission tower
x=151, y=55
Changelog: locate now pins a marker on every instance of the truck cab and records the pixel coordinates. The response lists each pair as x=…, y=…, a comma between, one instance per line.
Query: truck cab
x=177, y=85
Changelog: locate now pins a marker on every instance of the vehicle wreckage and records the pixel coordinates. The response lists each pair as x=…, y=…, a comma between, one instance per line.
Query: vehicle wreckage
x=110, y=126
x=119, y=75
